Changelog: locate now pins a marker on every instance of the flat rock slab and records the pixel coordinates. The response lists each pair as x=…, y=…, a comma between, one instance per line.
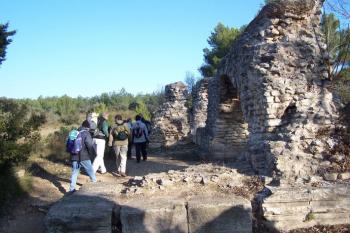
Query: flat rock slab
x=88, y=210
x=100, y=207
x=303, y=207
x=80, y=214
x=154, y=216
x=219, y=215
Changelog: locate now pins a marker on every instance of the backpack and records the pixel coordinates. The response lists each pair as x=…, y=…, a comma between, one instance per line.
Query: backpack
x=137, y=131
x=93, y=128
x=98, y=132
x=149, y=126
x=74, y=142
x=120, y=133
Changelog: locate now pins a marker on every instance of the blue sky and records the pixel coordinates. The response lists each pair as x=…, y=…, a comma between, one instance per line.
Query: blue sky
x=87, y=47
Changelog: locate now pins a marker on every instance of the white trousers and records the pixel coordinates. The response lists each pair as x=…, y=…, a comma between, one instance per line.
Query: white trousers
x=99, y=145
x=120, y=152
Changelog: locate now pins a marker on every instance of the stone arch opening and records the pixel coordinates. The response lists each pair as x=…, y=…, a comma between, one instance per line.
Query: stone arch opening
x=288, y=114
x=231, y=129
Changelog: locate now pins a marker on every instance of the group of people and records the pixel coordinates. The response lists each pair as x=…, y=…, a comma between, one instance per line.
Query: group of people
x=95, y=132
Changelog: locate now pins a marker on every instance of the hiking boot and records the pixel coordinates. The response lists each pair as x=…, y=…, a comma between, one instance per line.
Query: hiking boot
x=71, y=192
x=123, y=174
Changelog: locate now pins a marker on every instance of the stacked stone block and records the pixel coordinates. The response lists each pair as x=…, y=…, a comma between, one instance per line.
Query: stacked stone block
x=226, y=129
x=171, y=124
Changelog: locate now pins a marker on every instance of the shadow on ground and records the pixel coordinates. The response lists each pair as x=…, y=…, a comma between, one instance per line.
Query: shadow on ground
x=156, y=163
x=38, y=171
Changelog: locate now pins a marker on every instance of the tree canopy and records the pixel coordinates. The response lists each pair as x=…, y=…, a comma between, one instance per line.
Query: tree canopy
x=4, y=40
x=338, y=44
x=220, y=42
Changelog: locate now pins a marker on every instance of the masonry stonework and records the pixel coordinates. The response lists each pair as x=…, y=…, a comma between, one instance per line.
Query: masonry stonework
x=171, y=122
x=277, y=78
x=199, y=108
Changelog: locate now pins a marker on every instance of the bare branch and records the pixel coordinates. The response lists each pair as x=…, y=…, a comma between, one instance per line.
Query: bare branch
x=341, y=7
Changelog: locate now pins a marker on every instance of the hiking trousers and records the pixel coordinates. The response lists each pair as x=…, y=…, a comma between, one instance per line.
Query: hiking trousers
x=99, y=145
x=140, y=149
x=121, y=157
x=130, y=144
x=86, y=164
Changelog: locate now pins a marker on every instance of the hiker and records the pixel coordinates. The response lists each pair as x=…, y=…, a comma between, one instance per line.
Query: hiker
x=140, y=138
x=129, y=122
x=83, y=157
x=92, y=119
x=100, y=136
x=147, y=123
x=118, y=138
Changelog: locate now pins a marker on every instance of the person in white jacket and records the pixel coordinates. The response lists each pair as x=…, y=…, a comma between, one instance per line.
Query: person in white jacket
x=140, y=138
x=99, y=139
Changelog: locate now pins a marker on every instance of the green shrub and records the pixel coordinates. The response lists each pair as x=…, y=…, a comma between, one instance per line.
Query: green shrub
x=18, y=132
x=309, y=217
x=56, y=144
x=141, y=108
x=18, y=138
x=57, y=140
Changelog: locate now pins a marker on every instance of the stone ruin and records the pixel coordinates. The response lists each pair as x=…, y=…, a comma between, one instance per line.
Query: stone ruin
x=269, y=104
x=266, y=108
x=273, y=84
x=171, y=122
x=199, y=109
x=226, y=133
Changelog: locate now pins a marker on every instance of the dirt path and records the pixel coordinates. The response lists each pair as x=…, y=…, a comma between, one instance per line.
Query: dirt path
x=51, y=182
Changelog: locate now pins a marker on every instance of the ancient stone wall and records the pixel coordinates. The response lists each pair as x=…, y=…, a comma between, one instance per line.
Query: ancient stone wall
x=277, y=70
x=200, y=108
x=171, y=123
x=226, y=129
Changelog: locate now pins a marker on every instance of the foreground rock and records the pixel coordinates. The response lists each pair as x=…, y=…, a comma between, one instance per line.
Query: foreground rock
x=202, y=198
x=159, y=215
x=80, y=213
x=301, y=207
x=219, y=214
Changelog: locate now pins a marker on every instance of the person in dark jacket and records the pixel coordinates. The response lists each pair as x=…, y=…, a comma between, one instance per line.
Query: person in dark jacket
x=147, y=123
x=130, y=144
x=140, y=138
x=83, y=158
